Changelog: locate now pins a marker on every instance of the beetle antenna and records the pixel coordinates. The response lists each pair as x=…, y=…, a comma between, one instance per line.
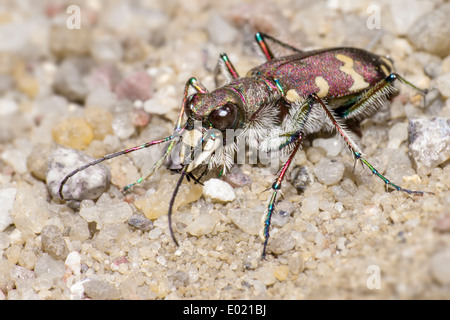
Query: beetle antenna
x=107, y=157
x=172, y=201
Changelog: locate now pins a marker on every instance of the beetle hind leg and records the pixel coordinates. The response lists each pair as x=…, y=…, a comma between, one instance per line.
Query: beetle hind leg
x=354, y=149
x=263, y=45
x=372, y=100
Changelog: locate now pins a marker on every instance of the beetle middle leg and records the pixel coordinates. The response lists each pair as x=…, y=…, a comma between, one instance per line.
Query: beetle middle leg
x=276, y=186
x=295, y=138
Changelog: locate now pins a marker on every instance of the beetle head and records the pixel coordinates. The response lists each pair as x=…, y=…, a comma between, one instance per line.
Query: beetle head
x=221, y=109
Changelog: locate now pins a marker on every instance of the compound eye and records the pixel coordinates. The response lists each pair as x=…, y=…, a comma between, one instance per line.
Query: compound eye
x=224, y=117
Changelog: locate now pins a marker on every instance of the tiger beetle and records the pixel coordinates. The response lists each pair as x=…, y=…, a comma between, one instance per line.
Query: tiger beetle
x=298, y=94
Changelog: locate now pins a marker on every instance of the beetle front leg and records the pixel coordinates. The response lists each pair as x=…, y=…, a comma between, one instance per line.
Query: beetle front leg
x=194, y=83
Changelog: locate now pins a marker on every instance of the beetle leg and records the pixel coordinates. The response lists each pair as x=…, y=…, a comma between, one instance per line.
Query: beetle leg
x=353, y=148
x=423, y=92
x=295, y=138
x=374, y=98
x=194, y=83
x=225, y=67
x=229, y=66
x=262, y=43
x=276, y=186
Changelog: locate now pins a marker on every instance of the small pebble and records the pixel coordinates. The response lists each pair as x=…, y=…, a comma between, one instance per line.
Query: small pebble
x=46, y=264
x=106, y=49
x=65, y=42
x=310, y=205
x=31, y=210
x=8, y=106
x=301, y=177
x=73, y=262
x=102, y=98
x=315, y=154
x=122, y=125
x=281, y=272
x=37, y=160
x=443, y=223
x=19, y=272
x=429, y=142
x=77, y=290
x=439, y=266
x=87, y=184
x=220, y=31
x=180, y=279
x=283, y=210
x=329, y=172
x=106, y=211
x=266, y=275
x=217, y=190
x=70, y=78
x=430, y=32
x=296, y=263
x=282, y=242
x=248, y=219
x=74, y=133
x=100, y=290
x=397, y=134
x=136, y=86
x=155, y=233
x=140, y=118
x=100, y=120
x=157, y=204
x=53, y=242
x=203, y=224
x=164, y=100
x=332, y=146
x=236, y=178
x=4, y=241
x=79, y=230
x=140, y=222
x=443, y=84
x=16, y=156
x=27, y=84
x=7, y=197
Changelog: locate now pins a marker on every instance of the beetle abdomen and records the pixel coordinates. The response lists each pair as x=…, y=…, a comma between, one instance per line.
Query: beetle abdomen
x=331, y=73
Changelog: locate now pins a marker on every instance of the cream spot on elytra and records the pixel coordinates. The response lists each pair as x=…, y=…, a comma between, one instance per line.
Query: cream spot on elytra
x=323, y=87
x=358, y=80
x=292, y=96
